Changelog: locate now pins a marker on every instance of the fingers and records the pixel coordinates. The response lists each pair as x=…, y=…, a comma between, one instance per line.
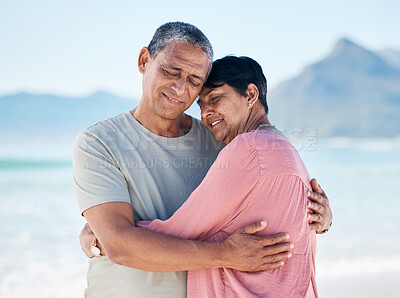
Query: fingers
x=314, y=217
x=246, y=252
x=316, y=226
x=85, y=238
x=320, y=221
x=253, y=228
x=316, y=187
x=315, y=207
x=89, y=254
x=275, y=256
x=85, y=248
x=272, y=266
x=283, y=256
x=277, y=249
x=270, y=240
x=316, y=197
x=320, y=214
x=87, y=229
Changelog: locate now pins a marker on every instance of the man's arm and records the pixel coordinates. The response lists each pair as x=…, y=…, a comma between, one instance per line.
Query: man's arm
x=320, y=216
x=320, y=213
x=320, y=219
x=143, y=249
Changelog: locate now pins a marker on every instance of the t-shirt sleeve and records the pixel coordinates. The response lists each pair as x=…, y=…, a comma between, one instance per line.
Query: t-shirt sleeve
x=219, y=198
x=97, y=177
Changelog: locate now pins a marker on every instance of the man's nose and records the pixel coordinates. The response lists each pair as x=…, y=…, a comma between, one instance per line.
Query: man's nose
x=179, y=86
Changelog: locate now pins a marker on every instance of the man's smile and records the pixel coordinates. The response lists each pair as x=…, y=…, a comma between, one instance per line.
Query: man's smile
x=172, y=100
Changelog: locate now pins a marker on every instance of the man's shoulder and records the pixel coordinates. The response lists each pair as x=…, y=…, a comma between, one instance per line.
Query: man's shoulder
x=110, y=129
x=205, y=135
x=104, y=131
x=199, y=126
x=113, y=124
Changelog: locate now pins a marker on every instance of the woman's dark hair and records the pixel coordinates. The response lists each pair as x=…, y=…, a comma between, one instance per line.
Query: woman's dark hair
x=238, y=72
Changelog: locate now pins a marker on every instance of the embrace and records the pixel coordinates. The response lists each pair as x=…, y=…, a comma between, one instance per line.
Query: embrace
x=178, y=207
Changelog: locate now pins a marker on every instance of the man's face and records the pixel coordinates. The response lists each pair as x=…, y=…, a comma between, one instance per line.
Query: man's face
x=173, y=79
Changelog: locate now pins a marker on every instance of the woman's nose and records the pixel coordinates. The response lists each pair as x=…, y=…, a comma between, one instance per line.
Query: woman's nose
x=206, y=110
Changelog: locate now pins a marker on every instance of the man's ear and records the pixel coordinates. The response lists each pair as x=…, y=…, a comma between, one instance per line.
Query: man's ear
x=144, y=57
x=252, y=94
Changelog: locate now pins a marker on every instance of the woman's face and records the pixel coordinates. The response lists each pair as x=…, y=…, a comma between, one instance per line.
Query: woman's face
x=224, y=111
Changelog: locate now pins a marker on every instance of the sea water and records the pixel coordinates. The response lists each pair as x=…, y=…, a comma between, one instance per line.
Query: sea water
x=40, y=221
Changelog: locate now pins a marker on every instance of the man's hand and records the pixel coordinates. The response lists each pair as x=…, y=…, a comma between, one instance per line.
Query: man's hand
x=319, y=212
x=86, y=238
x=247, y=252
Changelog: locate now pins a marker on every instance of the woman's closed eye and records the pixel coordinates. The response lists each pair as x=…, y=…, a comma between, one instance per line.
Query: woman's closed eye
x=214, y=100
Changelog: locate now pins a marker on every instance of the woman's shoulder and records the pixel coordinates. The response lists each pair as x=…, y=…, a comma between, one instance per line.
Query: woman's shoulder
x=241, y=143
x=259, y=140
x=276, y=154
x=273, y=138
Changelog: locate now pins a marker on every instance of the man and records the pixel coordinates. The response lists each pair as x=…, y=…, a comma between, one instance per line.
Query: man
x=144, y=164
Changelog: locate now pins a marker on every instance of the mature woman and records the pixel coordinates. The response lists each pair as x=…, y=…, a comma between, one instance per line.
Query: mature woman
x=258, y=175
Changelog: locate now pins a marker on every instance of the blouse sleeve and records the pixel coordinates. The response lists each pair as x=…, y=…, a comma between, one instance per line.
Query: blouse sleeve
x=220, y=197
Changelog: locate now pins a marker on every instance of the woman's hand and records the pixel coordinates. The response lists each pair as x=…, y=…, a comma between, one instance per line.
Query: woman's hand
x=319, y=212
x=86, y=239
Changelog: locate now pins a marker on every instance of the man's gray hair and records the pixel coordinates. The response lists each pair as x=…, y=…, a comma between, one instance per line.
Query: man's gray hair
x=179, y=31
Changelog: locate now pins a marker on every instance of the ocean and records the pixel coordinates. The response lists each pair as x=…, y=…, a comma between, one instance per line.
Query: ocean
x=40, y=221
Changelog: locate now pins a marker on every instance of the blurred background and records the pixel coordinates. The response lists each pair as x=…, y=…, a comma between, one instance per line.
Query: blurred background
x=333, y=71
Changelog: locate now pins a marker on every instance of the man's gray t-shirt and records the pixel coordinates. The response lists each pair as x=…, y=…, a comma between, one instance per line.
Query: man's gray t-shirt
x=120, y=160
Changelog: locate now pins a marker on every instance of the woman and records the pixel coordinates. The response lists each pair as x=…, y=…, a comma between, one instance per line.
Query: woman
x=259, y=174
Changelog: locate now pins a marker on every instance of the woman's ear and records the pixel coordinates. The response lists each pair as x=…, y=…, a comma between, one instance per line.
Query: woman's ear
x=252, y=94
x=144, y=57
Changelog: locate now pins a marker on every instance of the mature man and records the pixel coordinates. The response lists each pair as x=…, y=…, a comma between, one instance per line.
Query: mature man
x=144, y=164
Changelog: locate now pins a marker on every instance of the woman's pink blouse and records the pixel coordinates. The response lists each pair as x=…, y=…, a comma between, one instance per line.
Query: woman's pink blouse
x=258, y=176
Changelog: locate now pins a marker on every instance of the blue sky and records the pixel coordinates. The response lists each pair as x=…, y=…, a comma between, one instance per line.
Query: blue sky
x=78, y=47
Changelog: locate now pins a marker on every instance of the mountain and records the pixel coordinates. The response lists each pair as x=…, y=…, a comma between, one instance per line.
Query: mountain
x=391, y=56
x=29, y=114
x=353, y=92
